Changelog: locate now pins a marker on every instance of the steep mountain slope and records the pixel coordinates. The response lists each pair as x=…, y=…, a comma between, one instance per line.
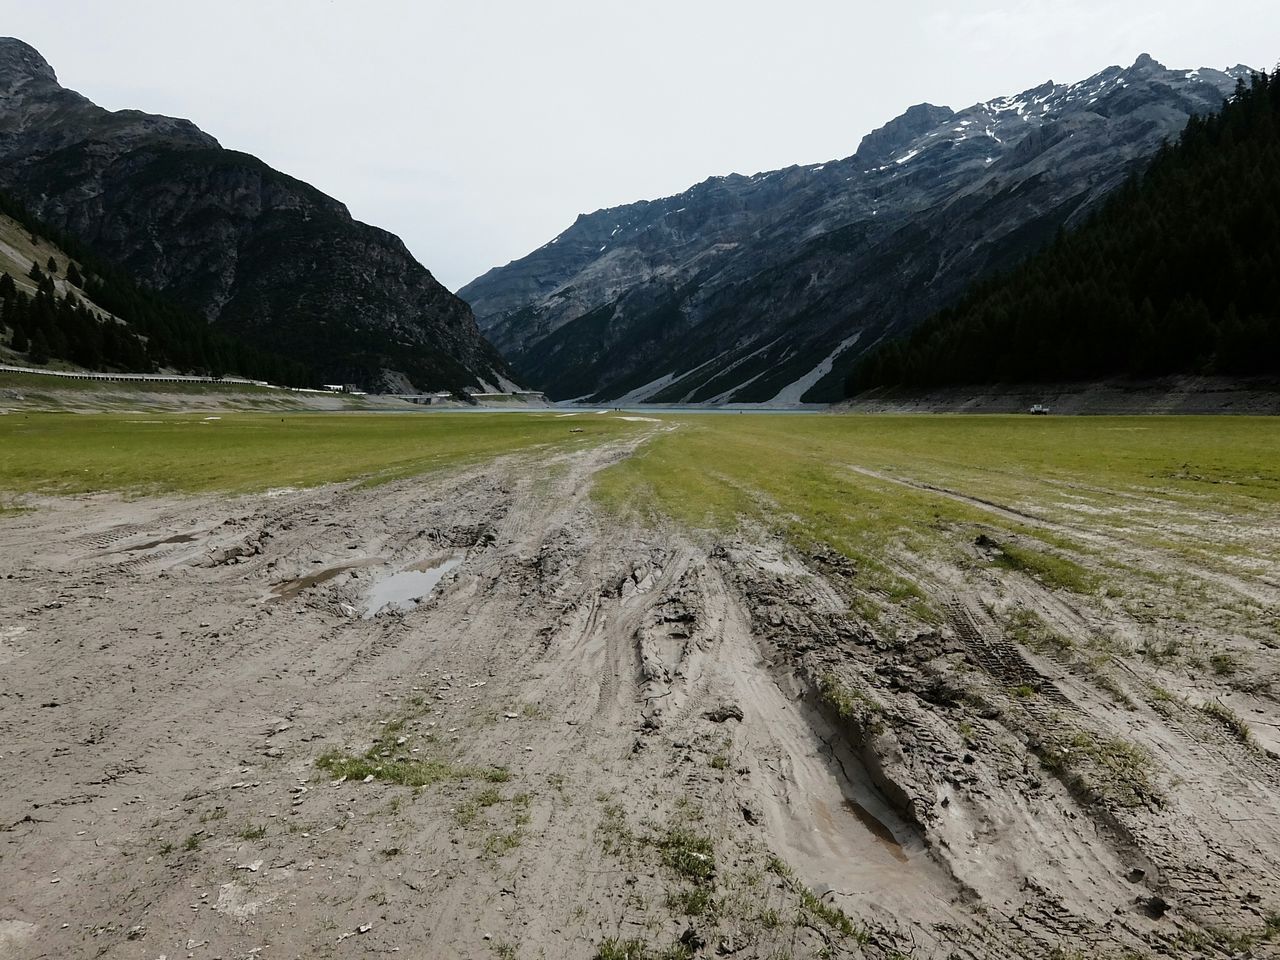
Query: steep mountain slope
x=768, y=287
x=263, y=255
x=1179, y=273
x=59, y=302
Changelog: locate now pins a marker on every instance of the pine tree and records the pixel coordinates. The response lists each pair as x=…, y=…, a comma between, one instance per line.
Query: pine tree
x=52, y=266
x=39, y=349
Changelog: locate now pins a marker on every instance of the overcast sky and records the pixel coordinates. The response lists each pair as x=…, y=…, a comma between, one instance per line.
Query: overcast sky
x=479, y=129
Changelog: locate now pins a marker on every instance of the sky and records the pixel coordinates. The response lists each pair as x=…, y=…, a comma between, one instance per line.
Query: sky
x=477, y=130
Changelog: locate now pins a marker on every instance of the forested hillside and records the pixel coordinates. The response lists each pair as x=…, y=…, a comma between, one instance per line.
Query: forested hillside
x=70, y=305
x=1178, y=273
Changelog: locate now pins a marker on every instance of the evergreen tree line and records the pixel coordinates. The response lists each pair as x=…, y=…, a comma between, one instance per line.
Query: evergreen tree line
x=1177, y=273
x=155, y=333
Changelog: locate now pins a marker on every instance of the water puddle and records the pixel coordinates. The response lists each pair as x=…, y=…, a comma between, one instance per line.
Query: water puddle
x=878, y=830
x=291, y=588
x=403, y=590
x=176, y=538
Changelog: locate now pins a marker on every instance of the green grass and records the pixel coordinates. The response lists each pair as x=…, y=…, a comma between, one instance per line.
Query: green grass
x=880, y=488
x=1049, y=569
x=1230, y=720
x=812, y=906
x=688, y=854
x=1110, y=769
x=850, y=704
x=392, y=761
x=164, y=453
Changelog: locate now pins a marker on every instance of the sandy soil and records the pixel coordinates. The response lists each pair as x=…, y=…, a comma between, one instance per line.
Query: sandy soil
x=592, y=703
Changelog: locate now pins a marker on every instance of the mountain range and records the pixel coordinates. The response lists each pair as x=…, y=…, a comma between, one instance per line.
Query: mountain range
x=260, y=255
x=1177, y=274
x=767, y=288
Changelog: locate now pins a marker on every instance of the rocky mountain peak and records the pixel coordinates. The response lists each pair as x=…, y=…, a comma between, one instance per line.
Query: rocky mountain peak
x=761, y=287
x=21, y=63
x=881, y=144
x=1146, y=62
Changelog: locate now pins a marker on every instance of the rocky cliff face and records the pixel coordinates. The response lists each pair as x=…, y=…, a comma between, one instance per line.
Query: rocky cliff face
x=766, y=288
x=263, y=255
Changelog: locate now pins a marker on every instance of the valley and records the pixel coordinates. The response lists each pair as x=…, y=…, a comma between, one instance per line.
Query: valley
x=648, y=597
x=759, y=686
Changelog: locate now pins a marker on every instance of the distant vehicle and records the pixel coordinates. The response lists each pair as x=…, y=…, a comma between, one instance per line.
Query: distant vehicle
x=1039, y=410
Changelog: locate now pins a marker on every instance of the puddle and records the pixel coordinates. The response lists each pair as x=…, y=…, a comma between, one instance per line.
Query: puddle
x=291, y=588
x=403, y=590
x=176, y=538
x=878, y=830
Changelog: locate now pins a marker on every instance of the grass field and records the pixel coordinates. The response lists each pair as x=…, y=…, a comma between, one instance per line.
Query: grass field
x=878, y=487
x=140, y=454
x=1051, y=493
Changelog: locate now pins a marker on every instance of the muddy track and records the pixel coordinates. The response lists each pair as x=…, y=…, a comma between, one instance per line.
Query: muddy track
x=175, y=669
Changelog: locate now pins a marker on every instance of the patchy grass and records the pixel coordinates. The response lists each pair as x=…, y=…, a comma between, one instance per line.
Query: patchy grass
x=253, y=831
x=1110, y=769
x=615, y=949
x=391, y=760
x=880, y=490
x=850, y=704
x=690, y=855
x=813, y=908
x=692, y=902
x=1029, y=629
x=1050, y=569
x=1231, y=721
x=165, y=453
x=614, y=833
x=1223, y=663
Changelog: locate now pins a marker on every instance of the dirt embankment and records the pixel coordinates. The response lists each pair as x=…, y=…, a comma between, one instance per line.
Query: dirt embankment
x=587, y=739
x=1170, y=395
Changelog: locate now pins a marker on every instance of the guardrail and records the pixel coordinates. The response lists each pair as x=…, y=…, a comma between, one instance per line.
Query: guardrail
x=142, y=378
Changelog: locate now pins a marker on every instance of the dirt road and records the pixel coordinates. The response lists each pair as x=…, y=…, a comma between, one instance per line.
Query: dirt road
x=587, y=738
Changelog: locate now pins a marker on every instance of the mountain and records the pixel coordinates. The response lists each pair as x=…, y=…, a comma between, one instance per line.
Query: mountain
x=60, y=302
x=767, y=288
x=259, y=254
x=1177, y=273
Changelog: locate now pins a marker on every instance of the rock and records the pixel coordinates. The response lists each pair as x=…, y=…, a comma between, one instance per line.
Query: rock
x=1154, y=907
x=692, y=940
x=726, y=711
